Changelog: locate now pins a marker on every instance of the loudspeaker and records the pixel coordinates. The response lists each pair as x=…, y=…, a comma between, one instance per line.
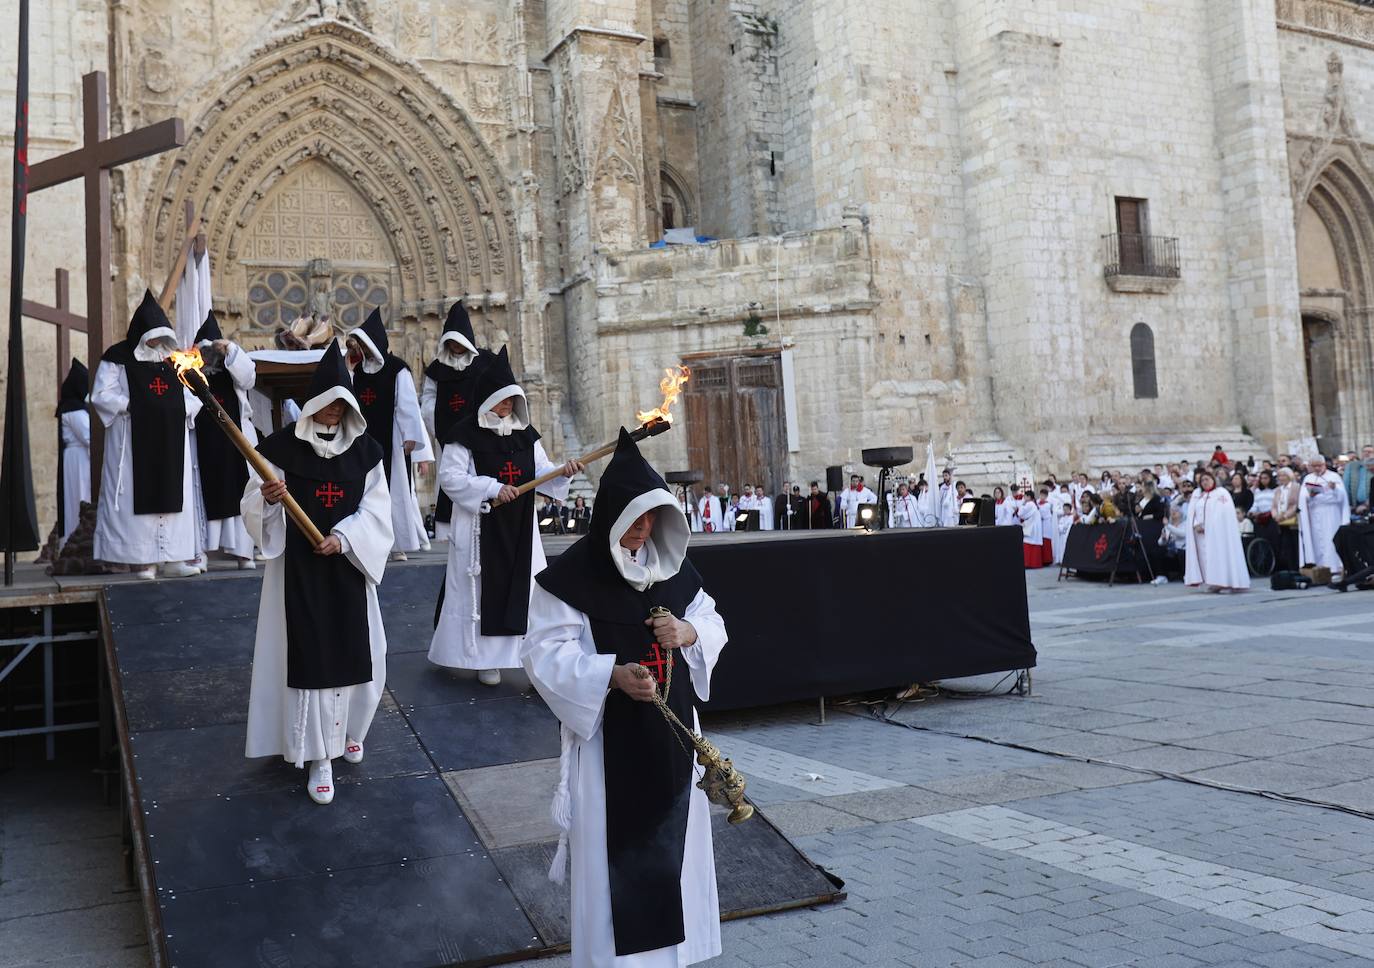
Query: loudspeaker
x=834, y=479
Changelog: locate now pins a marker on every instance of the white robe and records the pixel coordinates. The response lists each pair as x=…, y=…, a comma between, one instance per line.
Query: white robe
x=193, y=299
x=229, y=534
x=1005, y=513
x=1214, y=557
x=1046, y=521
x=332, y=716
x=1063, y=521
x=904, y=512
x=850, y=500
x=120, y=534
x=709, y=512
x=76, y=467
x=407, y=523
x=429, y=391
x=1320, y=513
x=949, y=505
x=729, y=508
x=458, y=640
x=561, y=659
x=1028, y=516
x=765, y=508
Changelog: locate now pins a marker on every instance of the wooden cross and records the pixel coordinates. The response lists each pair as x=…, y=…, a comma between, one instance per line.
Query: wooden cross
x=92, y=163
x=62, y=317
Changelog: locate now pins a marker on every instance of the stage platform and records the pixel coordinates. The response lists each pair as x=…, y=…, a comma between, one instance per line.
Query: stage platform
x=436, y=847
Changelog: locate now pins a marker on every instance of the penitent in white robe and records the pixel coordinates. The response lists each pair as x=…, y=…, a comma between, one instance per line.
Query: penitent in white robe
x=407, y=522
x=1321, y=511
x=428, y=392
x=458, y=640
x=904, y=512
x=331, y=716
x=561, y=659
x=229, y=534
x=120, y=534
x=1214, y=557
x=76, y=467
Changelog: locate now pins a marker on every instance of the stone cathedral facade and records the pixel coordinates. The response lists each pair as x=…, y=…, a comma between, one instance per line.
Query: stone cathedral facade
x=1051, y=235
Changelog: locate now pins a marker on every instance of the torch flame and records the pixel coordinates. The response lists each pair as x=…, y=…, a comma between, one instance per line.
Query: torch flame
x=185, y=360
x=673, y=379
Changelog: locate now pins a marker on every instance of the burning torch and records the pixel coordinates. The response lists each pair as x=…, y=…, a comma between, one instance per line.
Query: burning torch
x=651, y=424
x=188, y=365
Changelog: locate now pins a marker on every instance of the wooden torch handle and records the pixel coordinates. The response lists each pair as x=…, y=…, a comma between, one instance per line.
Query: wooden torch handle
x=251, y=454
x=591, y=455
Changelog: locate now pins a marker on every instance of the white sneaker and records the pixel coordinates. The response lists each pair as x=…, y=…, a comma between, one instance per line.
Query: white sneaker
x=353, y=751
x=399, y=556
x=247, y=564
x=147, y=574
x=489, y=677
x=320, y=784
x=178, y=569
x=200, y=563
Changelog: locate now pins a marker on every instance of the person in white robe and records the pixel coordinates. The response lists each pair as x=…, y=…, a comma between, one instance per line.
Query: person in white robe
x=228, y=369
x=905, y=511
x=134, y=377
x=337, y=640
x=729, y=508
x=1214, y=556
x=74, y=442
x=1027, y=515
x=598, y=659
x=1323, y=506
x=1062, y=505
x=1004, y=511
x=486, y=589
x=1046, y=525
x=747, y=502
x=710, y=515
x=857, y=494
x=765, y=508
x=386, y=391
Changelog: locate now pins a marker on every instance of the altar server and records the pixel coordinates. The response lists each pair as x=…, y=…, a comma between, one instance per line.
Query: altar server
x=1046, y=527
x=146, y=515
x=221, y=472
x=446, y=395
x=1003, y=510
x=1323, y=506
x=1215, y=558
x=905, y=511
x=643, y=876
x=1027, y=514
x=765, y=506
x=319, y=659
x=74, y=450
x=494, y=550
x=384, y=388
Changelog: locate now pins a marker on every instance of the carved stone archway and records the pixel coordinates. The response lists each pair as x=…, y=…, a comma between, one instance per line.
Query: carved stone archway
x=1341, y=196
x=330, y=93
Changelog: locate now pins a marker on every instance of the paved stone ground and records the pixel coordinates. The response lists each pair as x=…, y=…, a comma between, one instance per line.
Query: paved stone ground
x=1116, y=817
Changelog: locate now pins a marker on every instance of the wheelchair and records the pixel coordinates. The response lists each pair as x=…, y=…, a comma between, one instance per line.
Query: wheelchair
x=1260, y=557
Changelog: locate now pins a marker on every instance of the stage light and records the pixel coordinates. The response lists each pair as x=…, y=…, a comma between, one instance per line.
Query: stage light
x=866, y=514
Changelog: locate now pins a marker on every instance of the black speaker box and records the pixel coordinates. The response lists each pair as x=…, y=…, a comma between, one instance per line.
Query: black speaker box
x=834, y=479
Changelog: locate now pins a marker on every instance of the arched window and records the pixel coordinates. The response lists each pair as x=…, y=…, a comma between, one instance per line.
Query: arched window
x=1143, y=362
x=674, y=205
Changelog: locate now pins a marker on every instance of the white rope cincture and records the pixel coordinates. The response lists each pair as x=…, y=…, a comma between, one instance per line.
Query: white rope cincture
x=474, y=570
x=561, y=809
x=119, y=472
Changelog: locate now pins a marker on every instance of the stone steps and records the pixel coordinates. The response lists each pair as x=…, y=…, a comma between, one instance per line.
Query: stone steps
x=1131, y=452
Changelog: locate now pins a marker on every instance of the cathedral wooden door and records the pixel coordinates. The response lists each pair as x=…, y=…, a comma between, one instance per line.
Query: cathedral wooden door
x=1319, y=343
x=736, y=428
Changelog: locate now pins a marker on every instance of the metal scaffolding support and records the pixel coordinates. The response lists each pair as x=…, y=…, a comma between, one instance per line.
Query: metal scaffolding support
x=46, y=642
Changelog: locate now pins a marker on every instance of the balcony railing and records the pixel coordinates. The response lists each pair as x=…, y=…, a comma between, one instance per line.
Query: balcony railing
x=1129, y=254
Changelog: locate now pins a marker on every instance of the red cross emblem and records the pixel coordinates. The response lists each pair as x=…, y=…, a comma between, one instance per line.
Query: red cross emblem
x=329, y=494
x=369, y=397
x=1100, y=547
x=158, y=386
x=657, y=660
x=510, y=473
x=455, y=402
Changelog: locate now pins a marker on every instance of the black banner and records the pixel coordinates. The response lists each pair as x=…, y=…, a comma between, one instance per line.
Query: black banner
x=1094, y=548
x=19, y=521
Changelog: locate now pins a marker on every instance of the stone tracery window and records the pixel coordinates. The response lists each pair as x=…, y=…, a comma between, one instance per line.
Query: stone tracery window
x=356, y=295
x=275, y=298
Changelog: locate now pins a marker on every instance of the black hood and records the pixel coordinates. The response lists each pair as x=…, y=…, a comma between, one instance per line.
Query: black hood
x=496, y=375
x=147, y=317
x=375, y=333
x=458, y=324
x=74, y=388
x=330, y=381
x=586, y=577
x=209, y=330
